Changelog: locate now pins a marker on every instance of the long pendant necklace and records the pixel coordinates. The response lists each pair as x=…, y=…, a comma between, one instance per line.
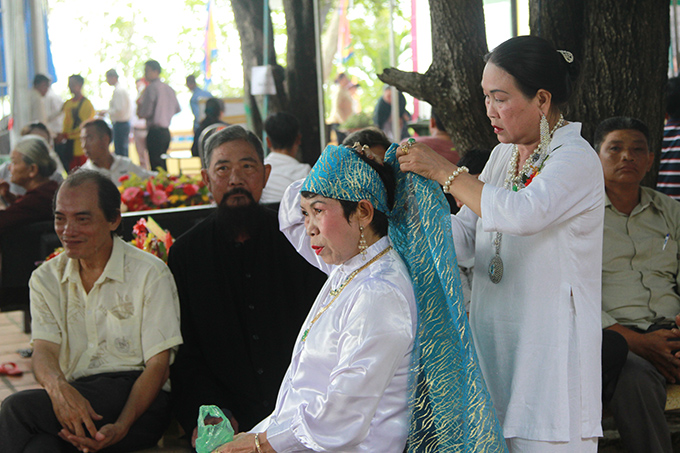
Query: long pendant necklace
x=336, y=292
x=516, y=180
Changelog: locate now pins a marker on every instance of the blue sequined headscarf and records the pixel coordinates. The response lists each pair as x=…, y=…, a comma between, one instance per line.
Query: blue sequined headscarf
x=342, y=175
x=451, y=409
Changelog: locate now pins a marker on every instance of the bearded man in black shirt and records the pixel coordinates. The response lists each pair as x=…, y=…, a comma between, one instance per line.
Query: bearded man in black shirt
x=244, y=291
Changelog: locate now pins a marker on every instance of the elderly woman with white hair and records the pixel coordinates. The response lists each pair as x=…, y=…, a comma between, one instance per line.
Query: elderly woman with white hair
x=31, y=167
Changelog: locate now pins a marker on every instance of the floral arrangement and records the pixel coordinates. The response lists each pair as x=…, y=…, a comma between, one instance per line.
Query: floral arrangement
x=150, y=237
x=58, y=251
x=162, y=191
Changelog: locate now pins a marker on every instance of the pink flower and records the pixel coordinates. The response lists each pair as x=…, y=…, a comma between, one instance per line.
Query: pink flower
x=131, y=193
x=158, y=197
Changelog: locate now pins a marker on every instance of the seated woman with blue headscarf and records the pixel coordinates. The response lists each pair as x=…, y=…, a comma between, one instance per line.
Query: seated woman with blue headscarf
x=363, y=376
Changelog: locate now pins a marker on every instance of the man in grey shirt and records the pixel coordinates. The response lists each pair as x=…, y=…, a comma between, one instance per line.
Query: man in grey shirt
x=157, y=106
x=640, y=300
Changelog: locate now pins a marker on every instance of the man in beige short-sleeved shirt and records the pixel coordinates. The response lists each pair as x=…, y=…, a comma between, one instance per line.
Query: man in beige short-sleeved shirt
x=105, y=331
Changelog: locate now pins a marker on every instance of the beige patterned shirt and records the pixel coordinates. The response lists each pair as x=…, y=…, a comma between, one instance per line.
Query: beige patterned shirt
x=130, y=314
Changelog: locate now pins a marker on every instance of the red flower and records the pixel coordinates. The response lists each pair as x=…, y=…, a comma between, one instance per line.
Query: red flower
x=190, y=190
x=149, y=186
x=168, y=240
x=123, y=178
x=140, y=227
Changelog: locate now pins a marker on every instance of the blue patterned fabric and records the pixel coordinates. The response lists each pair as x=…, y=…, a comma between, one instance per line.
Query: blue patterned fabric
x=330, y=178
x=451, y=409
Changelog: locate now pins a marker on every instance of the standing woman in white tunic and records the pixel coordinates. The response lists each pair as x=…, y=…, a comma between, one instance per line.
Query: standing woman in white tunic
x=533, y=221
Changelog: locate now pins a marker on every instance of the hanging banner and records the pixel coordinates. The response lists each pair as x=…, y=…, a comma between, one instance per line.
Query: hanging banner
x=209, y=46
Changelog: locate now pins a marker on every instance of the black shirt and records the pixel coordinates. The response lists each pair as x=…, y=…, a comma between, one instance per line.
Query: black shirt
x=242, y=306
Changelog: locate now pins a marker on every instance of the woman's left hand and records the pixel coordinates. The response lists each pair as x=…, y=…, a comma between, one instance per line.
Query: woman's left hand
x=421, y=159
x=244, y=443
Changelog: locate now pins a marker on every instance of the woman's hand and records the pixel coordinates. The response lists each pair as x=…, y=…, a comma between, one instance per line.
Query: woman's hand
x=422, y=160
x=245, y=443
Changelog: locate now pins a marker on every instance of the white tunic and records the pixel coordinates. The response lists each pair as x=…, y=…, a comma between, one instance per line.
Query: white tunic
x=347, y=385
x=528, y=327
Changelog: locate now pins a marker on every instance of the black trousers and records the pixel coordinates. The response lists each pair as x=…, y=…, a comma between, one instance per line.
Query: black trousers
x=28, y=423
x=157, y=143
x=614, y=356
x=638, y=397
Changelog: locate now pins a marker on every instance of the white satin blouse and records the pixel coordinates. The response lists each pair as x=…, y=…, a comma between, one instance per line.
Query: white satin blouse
x=346, y=388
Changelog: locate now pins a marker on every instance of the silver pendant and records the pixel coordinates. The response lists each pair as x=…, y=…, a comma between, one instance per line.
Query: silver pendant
x=496, y=269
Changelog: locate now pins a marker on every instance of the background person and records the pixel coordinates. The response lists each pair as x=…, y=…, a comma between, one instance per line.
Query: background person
x=139, y=128
x=382, y=115
x=439, y=140
x=533, y=222
x=640, y=299
x=195, y=102
x=39, y=130
x=77, y=110
x=96, y=138
x=342, y=104
x=46, y=105
x=668, y=181
x=31, y=167
x=120, y=109
x=213, y=115
x=157, y=105
x=283, y=141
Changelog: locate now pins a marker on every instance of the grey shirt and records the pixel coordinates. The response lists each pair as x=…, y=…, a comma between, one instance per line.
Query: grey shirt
x=640, y=262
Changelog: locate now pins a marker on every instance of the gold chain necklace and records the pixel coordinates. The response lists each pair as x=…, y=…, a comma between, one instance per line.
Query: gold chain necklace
x=336, y=292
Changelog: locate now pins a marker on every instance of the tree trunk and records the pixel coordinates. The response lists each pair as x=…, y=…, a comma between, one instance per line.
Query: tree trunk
x=301, y=77
x=623, y=51
x=248, y=15
x=452, y=83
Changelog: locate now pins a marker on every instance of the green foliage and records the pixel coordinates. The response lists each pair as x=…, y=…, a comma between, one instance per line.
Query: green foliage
x=369, y=30
x=123, y=34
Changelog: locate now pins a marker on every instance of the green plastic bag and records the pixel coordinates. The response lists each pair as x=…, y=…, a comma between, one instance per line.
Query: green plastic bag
x=212, y=436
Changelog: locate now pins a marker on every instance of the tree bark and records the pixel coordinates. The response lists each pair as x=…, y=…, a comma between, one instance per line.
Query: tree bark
x=452, y=83
x=301, y=75
x=248, y=15
x=633, y=55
